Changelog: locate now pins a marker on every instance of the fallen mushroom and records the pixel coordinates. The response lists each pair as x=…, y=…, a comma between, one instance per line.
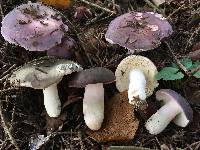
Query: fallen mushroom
x=175, y=108
x=45, y=73
x=138, y=31
x=33, y=26
x=120, y=123
x=93, y=101
x=137, y=75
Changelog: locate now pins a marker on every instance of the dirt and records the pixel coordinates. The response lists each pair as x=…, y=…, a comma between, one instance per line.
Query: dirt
x=22, y=111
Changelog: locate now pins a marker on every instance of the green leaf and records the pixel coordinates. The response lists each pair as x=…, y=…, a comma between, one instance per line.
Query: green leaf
x=174, y=66
x=169, y=73
x=197, y=74
x=195, y=65
x=187, y=62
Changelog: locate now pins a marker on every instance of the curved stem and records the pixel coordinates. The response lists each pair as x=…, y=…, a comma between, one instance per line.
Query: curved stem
x=159, y=121
x=93, y=105
x=51, y=101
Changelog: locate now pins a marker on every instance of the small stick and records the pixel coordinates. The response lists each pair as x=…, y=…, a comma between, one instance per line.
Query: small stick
x=195, y=70
x=191, y=37
x=95, y=19
x=175, y=11
x=97, y=6
x=6, y=129
x=1, y=10
x=8, y=90
x=7, y=71
x=176, y=59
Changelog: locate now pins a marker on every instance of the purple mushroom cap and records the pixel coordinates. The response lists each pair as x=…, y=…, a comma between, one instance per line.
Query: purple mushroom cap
x=166, y=95
x=33, y=26
x=138, y=31
x=64, y=49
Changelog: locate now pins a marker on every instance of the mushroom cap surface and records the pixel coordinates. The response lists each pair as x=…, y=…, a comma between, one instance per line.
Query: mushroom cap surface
x=186, y=115
x=138, y=31
x=43, y=72
x=91, y=76
x=33, y=26
x=64, y=49
x=136, y=62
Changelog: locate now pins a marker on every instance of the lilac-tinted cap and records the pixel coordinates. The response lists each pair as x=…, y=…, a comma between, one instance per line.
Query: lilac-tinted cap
x=64, y=49
x=33, y=26
x=186, y=115
x=138, y=31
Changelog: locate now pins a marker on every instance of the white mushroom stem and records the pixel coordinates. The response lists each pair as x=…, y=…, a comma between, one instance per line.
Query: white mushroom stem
x=159, y=121
x=137, y=85
x=93, y=105
x=51, y=101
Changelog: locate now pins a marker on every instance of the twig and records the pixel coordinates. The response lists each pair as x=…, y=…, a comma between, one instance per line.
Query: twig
x=8, y=89
x=191, y=37
x=195, y=70
x=97, y=6
x=175, y=11
x=7, y=130
x=95, y=19
x=7, y=71
x=1, y=10
x=183, y=7
x=176, y=59
x=71, y=100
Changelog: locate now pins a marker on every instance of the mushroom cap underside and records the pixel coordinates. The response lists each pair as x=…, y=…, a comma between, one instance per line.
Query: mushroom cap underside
x=136, y=62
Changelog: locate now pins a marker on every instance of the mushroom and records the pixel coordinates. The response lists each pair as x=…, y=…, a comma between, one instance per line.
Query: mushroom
x=33, y=26
x=174, y=107
x=64, y=49
x=137, y=75
x=45, y=73
x=93, y=101
x=138, y=31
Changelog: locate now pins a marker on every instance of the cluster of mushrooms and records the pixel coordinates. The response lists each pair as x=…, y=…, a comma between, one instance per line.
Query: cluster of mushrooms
x=37, y=27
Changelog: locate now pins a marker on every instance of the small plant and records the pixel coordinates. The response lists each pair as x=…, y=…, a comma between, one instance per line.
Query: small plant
x=173, y=72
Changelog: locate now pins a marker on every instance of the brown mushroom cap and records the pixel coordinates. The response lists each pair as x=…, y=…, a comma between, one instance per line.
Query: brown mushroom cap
x=91, y=76
x=138, y=31
x=136, y=62
x=166, y=95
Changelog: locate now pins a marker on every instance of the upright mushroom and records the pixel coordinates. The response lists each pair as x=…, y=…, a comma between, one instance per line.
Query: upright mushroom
x=175, y=107
x=93, y=101
x=138, y=31
x=45, y=73
x=36, y=28
x=137, y=75
x=33, y=26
